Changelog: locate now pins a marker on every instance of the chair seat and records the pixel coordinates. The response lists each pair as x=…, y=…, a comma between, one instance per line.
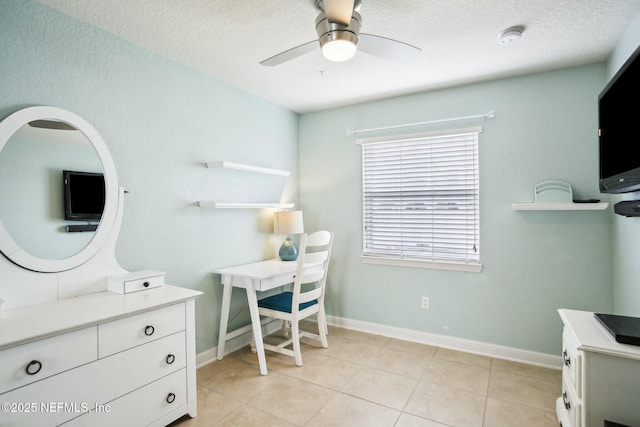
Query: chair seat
x=282, y=302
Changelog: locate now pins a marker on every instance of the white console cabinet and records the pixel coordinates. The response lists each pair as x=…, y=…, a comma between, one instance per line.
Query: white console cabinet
x=102, y=359
x=600, y=377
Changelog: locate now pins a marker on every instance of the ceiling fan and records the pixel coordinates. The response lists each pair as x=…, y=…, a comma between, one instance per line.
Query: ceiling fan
x=338, y=27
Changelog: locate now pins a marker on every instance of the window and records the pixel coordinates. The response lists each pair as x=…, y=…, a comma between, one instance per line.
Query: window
x=421, y=199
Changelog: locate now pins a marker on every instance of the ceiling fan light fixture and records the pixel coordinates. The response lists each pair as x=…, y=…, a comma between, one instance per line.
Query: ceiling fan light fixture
x=339, y=46
x=338, y=42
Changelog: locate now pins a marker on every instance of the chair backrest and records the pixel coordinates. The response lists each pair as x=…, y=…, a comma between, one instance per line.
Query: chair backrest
x=314, y=255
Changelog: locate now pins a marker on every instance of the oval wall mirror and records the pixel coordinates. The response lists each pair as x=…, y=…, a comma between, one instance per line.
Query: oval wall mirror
x=36, y=145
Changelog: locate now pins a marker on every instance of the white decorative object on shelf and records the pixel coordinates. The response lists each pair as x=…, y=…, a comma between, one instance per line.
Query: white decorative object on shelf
x=248, y=168
x=245, y=205
x=553, y=192
x=556, y=196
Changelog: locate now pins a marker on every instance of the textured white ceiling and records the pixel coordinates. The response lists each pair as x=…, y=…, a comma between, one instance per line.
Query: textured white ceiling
x=459, y=40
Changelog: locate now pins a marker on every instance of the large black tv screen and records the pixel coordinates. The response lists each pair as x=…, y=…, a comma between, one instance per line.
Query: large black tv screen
x=618, y=117
x=84, y=195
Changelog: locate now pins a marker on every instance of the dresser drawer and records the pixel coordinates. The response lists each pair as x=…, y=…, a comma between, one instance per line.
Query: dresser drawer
x=37, y=360
x=568, y=407
x=74, y=392
x=132, y=331
x=136, y=281
x=140, y=407
x=571, y=361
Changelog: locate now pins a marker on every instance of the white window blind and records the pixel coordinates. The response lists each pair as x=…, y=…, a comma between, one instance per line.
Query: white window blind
x=421, y=197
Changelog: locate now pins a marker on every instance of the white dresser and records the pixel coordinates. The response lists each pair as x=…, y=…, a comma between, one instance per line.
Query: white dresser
x=600, y=377
x=103, y=359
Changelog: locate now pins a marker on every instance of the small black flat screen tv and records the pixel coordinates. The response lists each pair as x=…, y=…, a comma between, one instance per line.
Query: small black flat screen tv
x=83, y=195
x=618, y=118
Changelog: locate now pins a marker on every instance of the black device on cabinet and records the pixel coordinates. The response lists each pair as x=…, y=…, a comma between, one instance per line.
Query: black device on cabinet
x=84, y=195
x=618, y=129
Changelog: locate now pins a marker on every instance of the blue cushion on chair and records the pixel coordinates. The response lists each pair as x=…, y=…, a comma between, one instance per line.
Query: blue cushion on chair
x=282, y=302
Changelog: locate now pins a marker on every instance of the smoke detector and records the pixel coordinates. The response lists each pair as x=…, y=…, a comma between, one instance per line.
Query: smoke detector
x=511, y=35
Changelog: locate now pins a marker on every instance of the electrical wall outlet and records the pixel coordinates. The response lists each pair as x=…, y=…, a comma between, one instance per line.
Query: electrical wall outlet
x=425, y=303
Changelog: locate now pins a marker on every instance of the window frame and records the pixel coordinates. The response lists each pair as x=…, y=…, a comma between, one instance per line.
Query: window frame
x=420, y=262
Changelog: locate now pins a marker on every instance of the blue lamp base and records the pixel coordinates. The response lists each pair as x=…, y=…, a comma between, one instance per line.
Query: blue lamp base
x=288, y=251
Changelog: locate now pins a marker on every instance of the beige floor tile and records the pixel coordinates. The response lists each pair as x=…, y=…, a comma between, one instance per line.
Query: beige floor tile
x=424, y=349
x=401, y=362
x=408, y=420
x=248, y=416
x=358, y=336
x=349, y=350
x=244, y=355
x=212, y=408
x=292, y=399
x=370, y=380
x=526, y=390
x=446, y=405
x=381, y=387
x=458, y=375
x=462, y=357
x=216, y=367
x=241, y=381
x=552, y=376
x=347, y=411
x=500, y=413
x=319, y=369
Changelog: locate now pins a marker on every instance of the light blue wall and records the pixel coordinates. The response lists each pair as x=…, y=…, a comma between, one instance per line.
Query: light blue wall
x=626, y=231
x=545, y=127
x=162, y=122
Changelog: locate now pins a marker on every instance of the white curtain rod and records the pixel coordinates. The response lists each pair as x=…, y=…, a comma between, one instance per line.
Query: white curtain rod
x=488, y=115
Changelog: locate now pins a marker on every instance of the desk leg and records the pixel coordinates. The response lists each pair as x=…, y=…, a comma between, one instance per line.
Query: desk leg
x=224, y=318
x=257, y=328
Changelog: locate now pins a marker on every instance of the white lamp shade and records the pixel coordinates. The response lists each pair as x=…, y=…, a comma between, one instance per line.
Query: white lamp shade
x=288, y=222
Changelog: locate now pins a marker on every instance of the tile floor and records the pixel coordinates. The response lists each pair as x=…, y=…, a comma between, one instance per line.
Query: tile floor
x=371, y=380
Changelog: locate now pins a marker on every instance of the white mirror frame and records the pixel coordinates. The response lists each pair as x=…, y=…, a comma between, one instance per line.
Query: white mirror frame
x=8, y=245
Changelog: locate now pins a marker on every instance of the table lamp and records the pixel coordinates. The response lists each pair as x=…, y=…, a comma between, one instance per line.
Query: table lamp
x=288, y=222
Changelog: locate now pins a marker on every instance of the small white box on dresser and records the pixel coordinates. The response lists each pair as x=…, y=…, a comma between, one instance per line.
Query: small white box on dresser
x=135, y=281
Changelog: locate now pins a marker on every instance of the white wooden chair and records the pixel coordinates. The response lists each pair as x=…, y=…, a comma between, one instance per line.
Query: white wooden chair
x=307, y=296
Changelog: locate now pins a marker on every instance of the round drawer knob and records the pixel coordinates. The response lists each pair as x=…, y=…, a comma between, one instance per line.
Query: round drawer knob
x=170, y=358
x=565, y=400
x=149, y=330
x=171, y=397
x=33, y=367
x=146, y=284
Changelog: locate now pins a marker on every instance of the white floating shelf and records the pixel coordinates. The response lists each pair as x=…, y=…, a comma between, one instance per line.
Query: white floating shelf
x=245, y=205
x=248, y=168
x=559, y=206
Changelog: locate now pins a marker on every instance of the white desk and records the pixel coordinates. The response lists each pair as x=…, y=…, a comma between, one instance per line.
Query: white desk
x=254, y=277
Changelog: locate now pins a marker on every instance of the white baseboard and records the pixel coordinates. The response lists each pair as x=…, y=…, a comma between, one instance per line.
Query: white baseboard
x=453, y=343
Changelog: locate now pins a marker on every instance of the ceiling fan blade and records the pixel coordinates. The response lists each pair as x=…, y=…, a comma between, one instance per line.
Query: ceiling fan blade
x=290, y=54
x=339, y=11
x=389, y=49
